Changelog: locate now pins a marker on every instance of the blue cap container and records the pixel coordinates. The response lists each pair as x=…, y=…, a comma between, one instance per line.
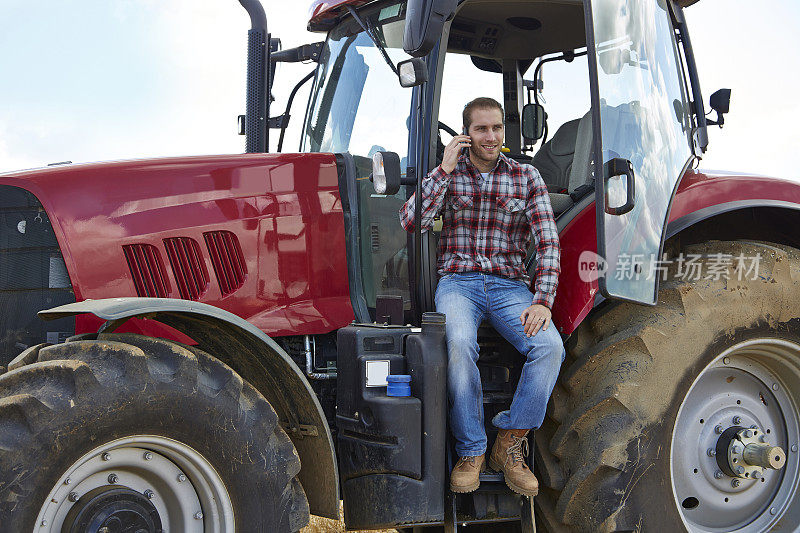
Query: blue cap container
x=398, y=385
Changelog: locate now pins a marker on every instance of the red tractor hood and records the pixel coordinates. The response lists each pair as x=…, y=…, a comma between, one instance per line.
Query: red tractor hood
x=277, y=218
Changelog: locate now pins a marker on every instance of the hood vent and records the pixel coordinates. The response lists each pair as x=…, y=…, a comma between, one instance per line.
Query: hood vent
x=228, y=260
x=147, y=270
x=188, y=267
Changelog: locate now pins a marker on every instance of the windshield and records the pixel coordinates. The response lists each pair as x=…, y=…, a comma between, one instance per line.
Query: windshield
x=358, y=106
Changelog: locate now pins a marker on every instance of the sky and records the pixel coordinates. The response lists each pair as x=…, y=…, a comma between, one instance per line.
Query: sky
x=88, y=80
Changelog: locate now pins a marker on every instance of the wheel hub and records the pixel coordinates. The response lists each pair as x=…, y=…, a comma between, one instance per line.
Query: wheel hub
x=111, y=509
x=744, y=453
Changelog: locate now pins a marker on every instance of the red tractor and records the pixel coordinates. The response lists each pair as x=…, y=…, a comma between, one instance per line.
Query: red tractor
x=219, y=331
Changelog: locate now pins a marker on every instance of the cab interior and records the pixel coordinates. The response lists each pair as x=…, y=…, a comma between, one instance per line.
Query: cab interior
x=501, y=44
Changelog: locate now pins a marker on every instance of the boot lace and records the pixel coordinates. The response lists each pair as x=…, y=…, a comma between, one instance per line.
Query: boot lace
x=467, y=459
x=518, y=451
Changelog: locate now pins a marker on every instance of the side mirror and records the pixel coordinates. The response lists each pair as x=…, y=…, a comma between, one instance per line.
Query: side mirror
x=534, y=119
x=412, y=72
x=386, y=172
x=721, y=103
x=424, y=22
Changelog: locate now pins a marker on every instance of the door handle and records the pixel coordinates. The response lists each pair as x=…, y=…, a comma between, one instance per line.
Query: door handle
x=619, y=167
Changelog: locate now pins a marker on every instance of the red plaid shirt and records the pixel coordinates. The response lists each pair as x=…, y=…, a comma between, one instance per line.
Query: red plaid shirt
x=488, y=226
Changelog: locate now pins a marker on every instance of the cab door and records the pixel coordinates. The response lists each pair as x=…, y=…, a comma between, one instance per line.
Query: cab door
x=642, y=138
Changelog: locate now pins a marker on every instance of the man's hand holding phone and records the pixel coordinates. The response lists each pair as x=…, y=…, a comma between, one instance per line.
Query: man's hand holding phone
x=452, y=150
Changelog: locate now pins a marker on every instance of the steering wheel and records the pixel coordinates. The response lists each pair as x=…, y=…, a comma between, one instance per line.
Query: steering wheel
x=439, y=143
x=448, y=129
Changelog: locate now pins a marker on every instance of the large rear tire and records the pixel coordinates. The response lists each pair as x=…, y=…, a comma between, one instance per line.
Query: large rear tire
x=145, y=432
x=645, y=392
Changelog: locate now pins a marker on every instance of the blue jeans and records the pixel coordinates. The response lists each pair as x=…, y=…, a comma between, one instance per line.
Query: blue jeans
x=467, y=299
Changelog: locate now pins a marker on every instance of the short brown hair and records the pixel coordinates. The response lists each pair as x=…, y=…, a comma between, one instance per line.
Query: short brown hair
x=482, y=102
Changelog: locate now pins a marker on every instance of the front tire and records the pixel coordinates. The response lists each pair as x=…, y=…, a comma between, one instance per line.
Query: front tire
x=130, y=428
x=626, y=443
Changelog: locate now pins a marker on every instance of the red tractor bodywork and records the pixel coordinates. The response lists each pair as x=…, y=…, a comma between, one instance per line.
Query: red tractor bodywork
x=700, y=195
x=283, y=211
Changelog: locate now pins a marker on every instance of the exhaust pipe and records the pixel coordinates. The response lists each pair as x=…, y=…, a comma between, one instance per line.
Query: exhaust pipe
x=257, y=112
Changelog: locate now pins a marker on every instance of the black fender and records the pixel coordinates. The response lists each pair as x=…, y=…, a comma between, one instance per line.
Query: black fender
x=256, y=358
x=706, y=213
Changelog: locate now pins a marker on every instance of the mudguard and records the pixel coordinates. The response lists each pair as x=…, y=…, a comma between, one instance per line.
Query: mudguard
x=257, y=358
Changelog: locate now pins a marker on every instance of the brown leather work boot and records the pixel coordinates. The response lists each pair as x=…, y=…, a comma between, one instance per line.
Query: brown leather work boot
x=465, y=475
x=508, y=456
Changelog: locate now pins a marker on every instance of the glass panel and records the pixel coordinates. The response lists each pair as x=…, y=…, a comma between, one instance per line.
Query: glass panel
x=358, y=106
x=644, y=119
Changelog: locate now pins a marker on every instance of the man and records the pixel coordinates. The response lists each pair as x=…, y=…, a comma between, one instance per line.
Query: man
x=492, y=206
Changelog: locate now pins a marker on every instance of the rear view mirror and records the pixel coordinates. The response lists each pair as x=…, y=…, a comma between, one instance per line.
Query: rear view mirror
x=613, y=60
x=412, y=72
x=386, y=173
x=534, y=119
x=721, y=103
x=424, y=22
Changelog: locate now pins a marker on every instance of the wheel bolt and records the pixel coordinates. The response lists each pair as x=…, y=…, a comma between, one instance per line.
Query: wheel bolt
x=181, y=478
x=149, y=494
x=748, y=433
x=756, y=474
x=711, y=452
x=106, y=456
x=198, y=515
x=735, y=483
x=112, y=478
x=774, y=386
x=73, y=496
x=737, y=449
x=726, y=360
x=773, y=511
x=737, y=420
x=740, y=470
x=67, y=481
x=148, y=456
x=794, y=448
x=718, y=474
x=44, y=523
x=719, y=429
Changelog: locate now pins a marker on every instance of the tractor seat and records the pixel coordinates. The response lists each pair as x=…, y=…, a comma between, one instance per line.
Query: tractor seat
x=563, y=161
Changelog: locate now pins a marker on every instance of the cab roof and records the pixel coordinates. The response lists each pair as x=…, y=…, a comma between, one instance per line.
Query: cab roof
x=322, y=14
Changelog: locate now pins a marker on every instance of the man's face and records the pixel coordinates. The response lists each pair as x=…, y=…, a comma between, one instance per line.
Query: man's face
x=486, y=134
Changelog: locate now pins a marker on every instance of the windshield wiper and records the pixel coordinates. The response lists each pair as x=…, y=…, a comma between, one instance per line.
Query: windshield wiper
x=368, y=30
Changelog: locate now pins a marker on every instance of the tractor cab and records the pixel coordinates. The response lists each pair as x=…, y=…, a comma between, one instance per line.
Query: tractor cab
x=596, y=96
x=601, y=96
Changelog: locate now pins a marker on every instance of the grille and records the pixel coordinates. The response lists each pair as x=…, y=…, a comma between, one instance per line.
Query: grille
x=147, y=270
x=33, y=275
x=228, y=260
x=188, y=267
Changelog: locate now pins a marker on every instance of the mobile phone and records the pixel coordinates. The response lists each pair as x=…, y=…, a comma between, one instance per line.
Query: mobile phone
x=465, y=131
